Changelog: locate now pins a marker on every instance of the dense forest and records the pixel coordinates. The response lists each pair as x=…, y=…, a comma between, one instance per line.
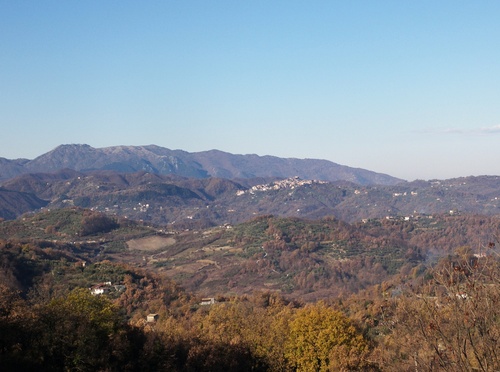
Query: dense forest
x=431, y=304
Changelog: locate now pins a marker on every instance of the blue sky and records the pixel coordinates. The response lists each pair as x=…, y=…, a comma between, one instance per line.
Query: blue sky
x=407, y=88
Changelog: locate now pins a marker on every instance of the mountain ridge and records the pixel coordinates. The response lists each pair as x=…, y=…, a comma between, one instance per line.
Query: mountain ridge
x=204, y=164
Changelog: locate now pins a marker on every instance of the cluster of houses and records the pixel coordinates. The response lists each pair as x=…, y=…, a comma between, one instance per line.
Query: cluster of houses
x=141, y=207
x=289, y=183
x=396, y=194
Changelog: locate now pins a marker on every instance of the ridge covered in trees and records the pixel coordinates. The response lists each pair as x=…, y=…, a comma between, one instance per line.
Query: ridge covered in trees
x=184, y=202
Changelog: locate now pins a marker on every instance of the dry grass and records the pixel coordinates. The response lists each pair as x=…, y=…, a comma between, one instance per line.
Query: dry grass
x=150, y=243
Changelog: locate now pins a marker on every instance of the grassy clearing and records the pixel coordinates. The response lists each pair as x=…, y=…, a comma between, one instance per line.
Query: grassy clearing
x=150, y=243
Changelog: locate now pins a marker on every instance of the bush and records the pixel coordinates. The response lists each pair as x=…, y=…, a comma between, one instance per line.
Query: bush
x=97, y=223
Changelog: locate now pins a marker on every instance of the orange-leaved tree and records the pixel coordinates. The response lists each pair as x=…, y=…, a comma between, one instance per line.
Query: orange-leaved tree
x=323, y=339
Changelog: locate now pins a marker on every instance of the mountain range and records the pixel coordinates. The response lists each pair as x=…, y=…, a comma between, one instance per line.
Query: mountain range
x=176, y=188
x=214, y=163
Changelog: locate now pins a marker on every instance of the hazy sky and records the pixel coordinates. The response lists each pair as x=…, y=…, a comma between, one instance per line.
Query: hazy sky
x=407, y=88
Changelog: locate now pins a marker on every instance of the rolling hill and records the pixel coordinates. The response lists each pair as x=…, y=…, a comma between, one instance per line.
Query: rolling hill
x=183, y=202
x=300, y=258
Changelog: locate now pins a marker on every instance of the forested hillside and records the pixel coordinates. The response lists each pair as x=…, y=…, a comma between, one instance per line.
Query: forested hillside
x=307, y=259
x=81, y=290
x=198, y=203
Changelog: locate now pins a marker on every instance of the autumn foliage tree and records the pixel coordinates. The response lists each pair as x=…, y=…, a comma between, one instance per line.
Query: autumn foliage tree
x=323, y=339
x=94, y=223
x=16, y=322
x=78, y=332
x=451, y=321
